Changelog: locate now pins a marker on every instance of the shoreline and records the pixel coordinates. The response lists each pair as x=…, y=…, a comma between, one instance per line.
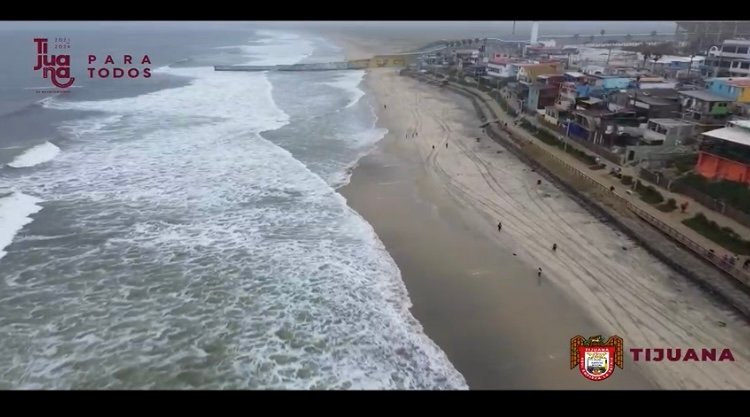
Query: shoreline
x=400, y=180
x=465, y=294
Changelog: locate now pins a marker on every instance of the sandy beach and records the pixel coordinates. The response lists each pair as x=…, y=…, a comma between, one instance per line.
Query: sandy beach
x=476, y=290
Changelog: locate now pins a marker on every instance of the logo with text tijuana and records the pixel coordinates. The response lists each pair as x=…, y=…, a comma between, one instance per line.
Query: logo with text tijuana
x=682, y=355
x=595, y=358
x=57, y=67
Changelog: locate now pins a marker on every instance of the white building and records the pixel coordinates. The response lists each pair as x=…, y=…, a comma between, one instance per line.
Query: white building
x=502, y=68
x=733, y=59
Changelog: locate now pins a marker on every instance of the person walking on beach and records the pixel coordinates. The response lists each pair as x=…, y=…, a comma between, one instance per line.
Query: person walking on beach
x=554, y=247
x=446, y=145
x=433, y=146
x=538, y=182
x=539, y=272
x=499, y=226
x=384, y=106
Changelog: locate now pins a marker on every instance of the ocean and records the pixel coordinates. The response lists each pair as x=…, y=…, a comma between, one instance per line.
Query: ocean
x=184, y=231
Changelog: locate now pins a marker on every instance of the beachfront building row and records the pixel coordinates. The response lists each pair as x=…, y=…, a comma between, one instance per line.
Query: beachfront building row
x=628, y=109
x=724, y=153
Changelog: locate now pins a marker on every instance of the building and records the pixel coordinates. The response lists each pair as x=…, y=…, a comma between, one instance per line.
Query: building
x=704, y=109
x=529, y=72
x=569, y=94
x=593, y=69
x=725, y=153
x=502, y=68
x=466, y=56
x=610, y=82
x=701, y=35
x=731, y=60
x=660, y=140
x=667, y=132
x=648, y=83
x=543, y=92
x=555, y=115
x=656, y=103
x=575, y=77
x=735, y=89
x=673, y=65
x=600, y=126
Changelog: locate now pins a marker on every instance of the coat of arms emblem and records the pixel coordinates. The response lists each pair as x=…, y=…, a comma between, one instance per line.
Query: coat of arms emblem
x=595, y=358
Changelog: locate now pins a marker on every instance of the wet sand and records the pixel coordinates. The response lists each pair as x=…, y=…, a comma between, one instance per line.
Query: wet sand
x=436, y=211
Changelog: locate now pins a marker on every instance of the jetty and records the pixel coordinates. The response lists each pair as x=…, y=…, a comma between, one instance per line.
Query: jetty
x=378, y=61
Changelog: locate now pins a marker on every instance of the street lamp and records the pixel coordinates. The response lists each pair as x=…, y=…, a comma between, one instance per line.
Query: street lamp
x=567, y=135
x=635, y=96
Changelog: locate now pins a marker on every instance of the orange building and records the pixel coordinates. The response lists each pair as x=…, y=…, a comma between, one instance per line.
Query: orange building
x=725, y=153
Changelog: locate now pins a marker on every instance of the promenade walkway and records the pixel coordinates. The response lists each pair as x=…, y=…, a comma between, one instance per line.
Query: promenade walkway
x=629, y=207
x=673, y=219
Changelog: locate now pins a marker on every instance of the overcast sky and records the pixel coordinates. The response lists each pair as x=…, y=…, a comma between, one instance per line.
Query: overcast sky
x=449, y=28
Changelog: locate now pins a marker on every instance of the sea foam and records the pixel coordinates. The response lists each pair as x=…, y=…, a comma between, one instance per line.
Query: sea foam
x=39, y=154
x=15, y=210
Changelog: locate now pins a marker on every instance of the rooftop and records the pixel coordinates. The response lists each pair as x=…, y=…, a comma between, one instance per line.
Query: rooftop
x=704, y=95
x=659, y=86
x=733, y=81
x=730, y=134
x=743, y=124
x=592, y=100
x=740, y=82
x=603, y=76
x=651, y=80
x=500, y=61
x=666, y=59
x=575, y=74
x=670, y=122
x=654, y=101
x=659, y=92
x=737, y=42
x=594, y=112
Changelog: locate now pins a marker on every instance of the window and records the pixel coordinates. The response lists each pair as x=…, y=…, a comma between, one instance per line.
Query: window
x=724, y=64
x=729, y=49
x=742, y=50
x=745, y=65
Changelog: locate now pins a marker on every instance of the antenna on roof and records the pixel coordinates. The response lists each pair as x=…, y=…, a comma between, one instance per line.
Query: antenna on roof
x=514, y=27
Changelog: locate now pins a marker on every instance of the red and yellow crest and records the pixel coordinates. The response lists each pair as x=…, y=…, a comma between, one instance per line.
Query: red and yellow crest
x=595, y=358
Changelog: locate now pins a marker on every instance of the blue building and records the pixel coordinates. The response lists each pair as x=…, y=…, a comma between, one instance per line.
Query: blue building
x=611, y=82
x=732, y=88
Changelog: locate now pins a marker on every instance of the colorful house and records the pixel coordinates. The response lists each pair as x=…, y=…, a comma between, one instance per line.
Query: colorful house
x=725, y=153
x=529, y=72
x=610, y=82
x=734, y=88
x=705, y=109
